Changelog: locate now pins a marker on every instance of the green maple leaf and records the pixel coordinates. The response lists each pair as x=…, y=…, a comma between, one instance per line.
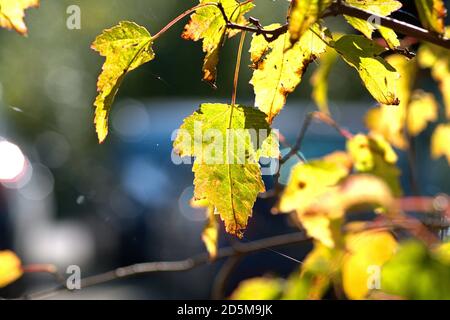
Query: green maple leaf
x=126, y=47
x=227, y=173
x=208, y=24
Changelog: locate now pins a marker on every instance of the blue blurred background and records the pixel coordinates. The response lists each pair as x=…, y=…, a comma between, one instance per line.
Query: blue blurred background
x=123, y=202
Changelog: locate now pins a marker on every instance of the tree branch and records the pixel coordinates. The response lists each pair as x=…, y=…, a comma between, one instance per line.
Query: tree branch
x=239, y=249
x=340, y=8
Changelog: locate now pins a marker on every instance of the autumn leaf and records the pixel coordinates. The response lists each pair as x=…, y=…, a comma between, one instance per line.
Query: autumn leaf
x=12, y=13
x=367, y=252
x=374, y=155
x=304, y=14
x=227, y=172
x=210, y=234
x=440, y=142
x=126, y=47
x=432, y=14
x=208, y=24
x=438, y=60
x=279, y=66
x=319, y=79
x=10, y=268
x=308, y=181
x=380, y=8
x=422, y=109
x=379, y=77
x=264, y=288
x=390, y=121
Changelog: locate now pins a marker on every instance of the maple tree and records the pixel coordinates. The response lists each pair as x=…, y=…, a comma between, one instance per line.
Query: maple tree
x=321, y=193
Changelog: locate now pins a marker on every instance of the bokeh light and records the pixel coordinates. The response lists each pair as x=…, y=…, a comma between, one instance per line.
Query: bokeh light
x=12, y=162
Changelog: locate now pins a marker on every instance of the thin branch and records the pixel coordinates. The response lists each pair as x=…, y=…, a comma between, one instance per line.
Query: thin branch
x=340, y=8
x=239, y=249
x=318, y=116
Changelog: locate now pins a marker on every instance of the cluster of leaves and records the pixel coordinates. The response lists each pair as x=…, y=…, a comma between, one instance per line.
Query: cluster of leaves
x=322, y=193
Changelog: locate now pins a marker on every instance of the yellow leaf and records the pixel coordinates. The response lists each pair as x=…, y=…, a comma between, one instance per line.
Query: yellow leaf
x=210, y=234
x=422, y=109
x=259, y=289
x=367, y=252
x=378, y=7
x=380, y=78
x=440, y=145
x=227, y=172
x=307, y=183
x=279, y=66
x=390, y=121
x=319, y=80
x=304, y=14
x=373, y=154
x=126, y=47
x=208, y=24
x=12, y=13
x=438, y=59
x=432, y=14
x=10, y=268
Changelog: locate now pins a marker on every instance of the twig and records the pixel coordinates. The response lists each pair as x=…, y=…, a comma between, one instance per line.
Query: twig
x=340, y=8
x=239, y=249
x=318, y=116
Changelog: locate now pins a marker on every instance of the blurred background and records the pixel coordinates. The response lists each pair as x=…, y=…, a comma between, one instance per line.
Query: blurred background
x=66, y=200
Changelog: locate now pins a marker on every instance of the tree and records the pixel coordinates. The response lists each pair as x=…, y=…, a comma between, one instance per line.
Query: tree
x=364, y=259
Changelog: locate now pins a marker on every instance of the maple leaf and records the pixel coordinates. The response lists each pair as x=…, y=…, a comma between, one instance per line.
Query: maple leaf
x=208, y=24
x=227, y=172
x=10, y=268
x=440, y=142
x=304, y=14
x=12, y=13
x=378, y=7
x=432, y=14
x=370, y=249
x=126, y=47
x=374, y=155
x=279, y=66
x=379, y=77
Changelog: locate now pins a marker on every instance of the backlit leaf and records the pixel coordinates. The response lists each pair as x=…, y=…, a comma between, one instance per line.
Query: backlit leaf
x=12, y=13
x=438, y=60
x=126, y=47
x=227, y=173
x=373, y=154
x=304, y=14
x=278, y=71
x=422, y=109
x=440, y=145
x=319, y=79
x=264, y=288
x=379, y=77
x=308, y=181
x=414, y=273
x=378, y=7
x=432, y=14
x=10, y=268
x=208, y=24
x=367, y=252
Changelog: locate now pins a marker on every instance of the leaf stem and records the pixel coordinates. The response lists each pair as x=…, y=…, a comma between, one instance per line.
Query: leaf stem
x=237, y=69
